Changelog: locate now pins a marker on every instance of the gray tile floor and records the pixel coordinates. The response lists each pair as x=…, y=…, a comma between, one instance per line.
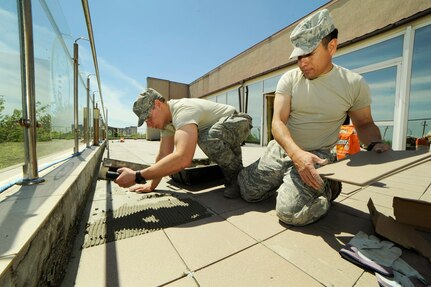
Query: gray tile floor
x=241, y=244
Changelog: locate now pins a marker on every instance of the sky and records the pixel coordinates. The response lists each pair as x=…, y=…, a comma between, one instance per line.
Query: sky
x=176, y=40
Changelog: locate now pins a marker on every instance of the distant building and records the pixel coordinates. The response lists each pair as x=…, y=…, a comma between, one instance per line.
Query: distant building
x=129, y=131
x=122, y=132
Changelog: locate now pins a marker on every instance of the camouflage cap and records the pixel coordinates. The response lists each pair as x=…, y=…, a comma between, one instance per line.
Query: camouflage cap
x=308, y=34
x=144, y=103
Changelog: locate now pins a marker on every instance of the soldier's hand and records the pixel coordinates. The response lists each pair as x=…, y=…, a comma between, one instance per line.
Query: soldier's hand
x=304, y=163
x=126, y=178
x=141, y=188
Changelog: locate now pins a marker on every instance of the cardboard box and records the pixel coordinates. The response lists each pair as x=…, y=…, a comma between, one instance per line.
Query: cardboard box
x=410, y=227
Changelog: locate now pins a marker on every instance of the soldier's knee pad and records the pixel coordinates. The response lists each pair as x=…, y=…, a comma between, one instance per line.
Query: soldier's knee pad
x=307, y=214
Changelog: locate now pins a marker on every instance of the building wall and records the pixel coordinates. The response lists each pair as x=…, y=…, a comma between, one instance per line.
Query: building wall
x=168, y=89
x=353, y=18
x=386, y=41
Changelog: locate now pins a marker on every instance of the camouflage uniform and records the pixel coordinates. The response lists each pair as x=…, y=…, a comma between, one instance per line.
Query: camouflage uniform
x=222, y=144
x=297, y=203
x=221, y=141
x=310, y=32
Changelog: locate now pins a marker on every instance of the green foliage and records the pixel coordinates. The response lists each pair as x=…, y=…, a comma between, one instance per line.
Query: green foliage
x=254, y=136
x=44, y=123
x=14, y=154
x=11, y=131
x=15, y=151
x=252, y=139
x=1, y=107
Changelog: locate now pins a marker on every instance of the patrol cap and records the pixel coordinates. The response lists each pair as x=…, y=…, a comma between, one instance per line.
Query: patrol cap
x=308, y=34
x=144, y=103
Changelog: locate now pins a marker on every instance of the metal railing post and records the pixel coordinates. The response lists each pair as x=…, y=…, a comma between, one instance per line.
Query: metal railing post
x=87, y=113
x=75, y=93
x=28, y=120
x=75, y=97
x=96, y=126
x=107, y=134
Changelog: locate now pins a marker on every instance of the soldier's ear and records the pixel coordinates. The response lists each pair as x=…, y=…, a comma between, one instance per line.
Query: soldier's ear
x=332, y=46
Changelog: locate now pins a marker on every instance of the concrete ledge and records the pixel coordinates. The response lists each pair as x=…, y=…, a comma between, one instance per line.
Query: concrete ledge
x=38, y=223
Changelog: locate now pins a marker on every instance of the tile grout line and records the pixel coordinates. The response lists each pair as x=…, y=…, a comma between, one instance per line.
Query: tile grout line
x=297, y=267
x=186, y=273
x=189, y=271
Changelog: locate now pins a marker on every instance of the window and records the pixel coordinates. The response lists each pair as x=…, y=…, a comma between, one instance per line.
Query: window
x=379, y=64
x=382, y=84
x=270, y=84
x=419, y=119
x=255, y=110
x=380, y=52
x=221, y=98
x=233, y=98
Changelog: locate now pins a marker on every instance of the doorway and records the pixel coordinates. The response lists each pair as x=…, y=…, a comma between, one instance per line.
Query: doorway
x=268, y=113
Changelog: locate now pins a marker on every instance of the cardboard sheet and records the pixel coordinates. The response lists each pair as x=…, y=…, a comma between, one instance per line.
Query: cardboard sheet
x=366, y=167
x=404, y=232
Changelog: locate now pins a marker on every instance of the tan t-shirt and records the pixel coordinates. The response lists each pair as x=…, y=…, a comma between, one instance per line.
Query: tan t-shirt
x=203, y=113
x=319, y=106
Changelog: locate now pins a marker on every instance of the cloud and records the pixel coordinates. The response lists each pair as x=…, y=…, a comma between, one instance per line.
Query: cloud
x=119, y=90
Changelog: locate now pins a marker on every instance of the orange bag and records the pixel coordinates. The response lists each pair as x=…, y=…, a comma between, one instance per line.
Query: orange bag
x=348, y=142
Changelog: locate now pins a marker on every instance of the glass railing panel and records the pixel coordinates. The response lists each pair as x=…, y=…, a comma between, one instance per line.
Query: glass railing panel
x=54, y=81
x=11, y=134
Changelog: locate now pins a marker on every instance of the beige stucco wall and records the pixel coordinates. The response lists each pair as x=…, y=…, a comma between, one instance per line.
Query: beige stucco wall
x=353, y=18
x=168, y=89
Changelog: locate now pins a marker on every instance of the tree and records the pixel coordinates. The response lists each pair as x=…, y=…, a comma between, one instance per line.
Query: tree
x=11, y=131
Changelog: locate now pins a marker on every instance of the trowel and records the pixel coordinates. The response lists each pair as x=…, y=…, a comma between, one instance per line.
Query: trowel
x=109, y=167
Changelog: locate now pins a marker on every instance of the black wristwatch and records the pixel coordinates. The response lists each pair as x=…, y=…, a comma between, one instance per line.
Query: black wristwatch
x=371, y=145
x=139, y=178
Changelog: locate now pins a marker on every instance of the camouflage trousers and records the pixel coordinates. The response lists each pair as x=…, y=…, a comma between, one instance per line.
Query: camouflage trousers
x=222, y=144
x=297, y=203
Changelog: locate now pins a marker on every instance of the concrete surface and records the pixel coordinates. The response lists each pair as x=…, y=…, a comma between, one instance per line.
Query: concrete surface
x=241, y=244
x=39, y=223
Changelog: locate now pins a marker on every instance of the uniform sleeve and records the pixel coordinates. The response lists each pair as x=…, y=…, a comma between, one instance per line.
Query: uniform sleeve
x=284, y=85
x=186, y=115
x=363, y=96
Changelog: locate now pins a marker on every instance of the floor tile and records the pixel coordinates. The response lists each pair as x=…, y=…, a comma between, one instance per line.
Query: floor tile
x=258, y=222
x=367, y=279
x=400, y=190
x=378, y=198
x=342, y=225
x=208, y=240
x=215, y=201
x=243, y=244
x=426, y=196
x=256, y=266
x=149, y=259
x=359, y=208
x=408, y=179
x=187, y=281
x=316, y=253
